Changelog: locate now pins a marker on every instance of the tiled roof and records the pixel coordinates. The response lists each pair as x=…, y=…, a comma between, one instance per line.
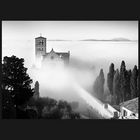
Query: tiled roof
x=131, y=105
x=117, y=107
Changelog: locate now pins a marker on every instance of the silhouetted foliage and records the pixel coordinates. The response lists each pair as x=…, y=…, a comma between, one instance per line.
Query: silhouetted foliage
x=8, y=109
x=123, y=81
x=26, y=114
x=110, y=77
x=15, y=82
x=74, y=115
x=116, y=87
x=48, y=108
x=134, y=82
x=138, y=90
x=99, y=85
x=128, y=89
x=125, y=84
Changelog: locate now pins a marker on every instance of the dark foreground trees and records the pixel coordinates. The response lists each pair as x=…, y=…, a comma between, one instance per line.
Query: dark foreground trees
x=48, y=108
x=17, y=95
x=16, y=86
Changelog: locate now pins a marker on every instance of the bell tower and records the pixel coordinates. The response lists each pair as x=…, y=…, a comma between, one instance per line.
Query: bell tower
x=40, y=46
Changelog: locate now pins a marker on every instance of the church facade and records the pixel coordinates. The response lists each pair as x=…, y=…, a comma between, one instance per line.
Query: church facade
x=51, y=57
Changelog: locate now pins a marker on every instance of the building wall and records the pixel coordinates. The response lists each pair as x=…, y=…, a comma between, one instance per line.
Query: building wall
x=128, y=115
x=128, y=112
x=52, y=59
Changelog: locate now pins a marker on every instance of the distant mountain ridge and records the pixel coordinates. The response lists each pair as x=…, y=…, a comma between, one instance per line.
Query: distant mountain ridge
x=113, y=39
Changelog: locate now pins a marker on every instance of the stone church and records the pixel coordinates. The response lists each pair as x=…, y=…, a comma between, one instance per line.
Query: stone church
x=51, y=57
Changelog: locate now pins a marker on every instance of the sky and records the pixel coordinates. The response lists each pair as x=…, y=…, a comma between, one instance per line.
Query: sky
x=71, y=30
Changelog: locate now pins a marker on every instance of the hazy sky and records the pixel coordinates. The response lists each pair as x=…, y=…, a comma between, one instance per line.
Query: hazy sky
x=72, y=30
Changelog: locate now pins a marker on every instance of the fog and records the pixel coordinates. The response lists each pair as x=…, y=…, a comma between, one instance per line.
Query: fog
x=58, y=80
x=68, y=83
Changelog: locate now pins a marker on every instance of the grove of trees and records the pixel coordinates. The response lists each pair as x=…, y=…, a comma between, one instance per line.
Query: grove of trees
x=123, y=84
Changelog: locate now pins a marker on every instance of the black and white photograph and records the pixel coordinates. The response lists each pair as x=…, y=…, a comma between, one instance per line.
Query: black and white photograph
x=70, y=69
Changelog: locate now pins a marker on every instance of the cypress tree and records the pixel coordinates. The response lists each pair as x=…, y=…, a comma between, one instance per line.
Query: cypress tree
x=138, y=84
x=134, y=82
x=96, y=86
x=122, y=81
x=99, y=85
x=102, y=81
x=116, y=87
x=110, y=77
x=36, y=94
x=128, y=90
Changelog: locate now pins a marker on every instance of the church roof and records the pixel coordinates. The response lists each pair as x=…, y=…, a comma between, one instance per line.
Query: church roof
x=63, y=54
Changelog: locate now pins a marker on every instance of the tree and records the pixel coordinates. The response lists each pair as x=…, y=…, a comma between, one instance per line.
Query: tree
x=116, y=87
x=8, y=109
x=128, y=89
x=122, y=81
x=96, y=85
x=110, y=77
x=99, y=85
x=134, y=82
x=51, y=109
x=16, y=81
x=36, y=94
x=138, y=84
x=102, y=81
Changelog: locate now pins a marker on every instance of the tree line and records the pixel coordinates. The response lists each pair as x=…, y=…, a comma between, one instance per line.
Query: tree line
x=122, y=84
x=18, y=100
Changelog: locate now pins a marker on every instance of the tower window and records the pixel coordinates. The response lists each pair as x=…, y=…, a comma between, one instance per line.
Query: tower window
x=41, y=42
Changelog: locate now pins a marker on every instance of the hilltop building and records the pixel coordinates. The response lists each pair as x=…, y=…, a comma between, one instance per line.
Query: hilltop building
x=51, y=57
x=129, y=109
